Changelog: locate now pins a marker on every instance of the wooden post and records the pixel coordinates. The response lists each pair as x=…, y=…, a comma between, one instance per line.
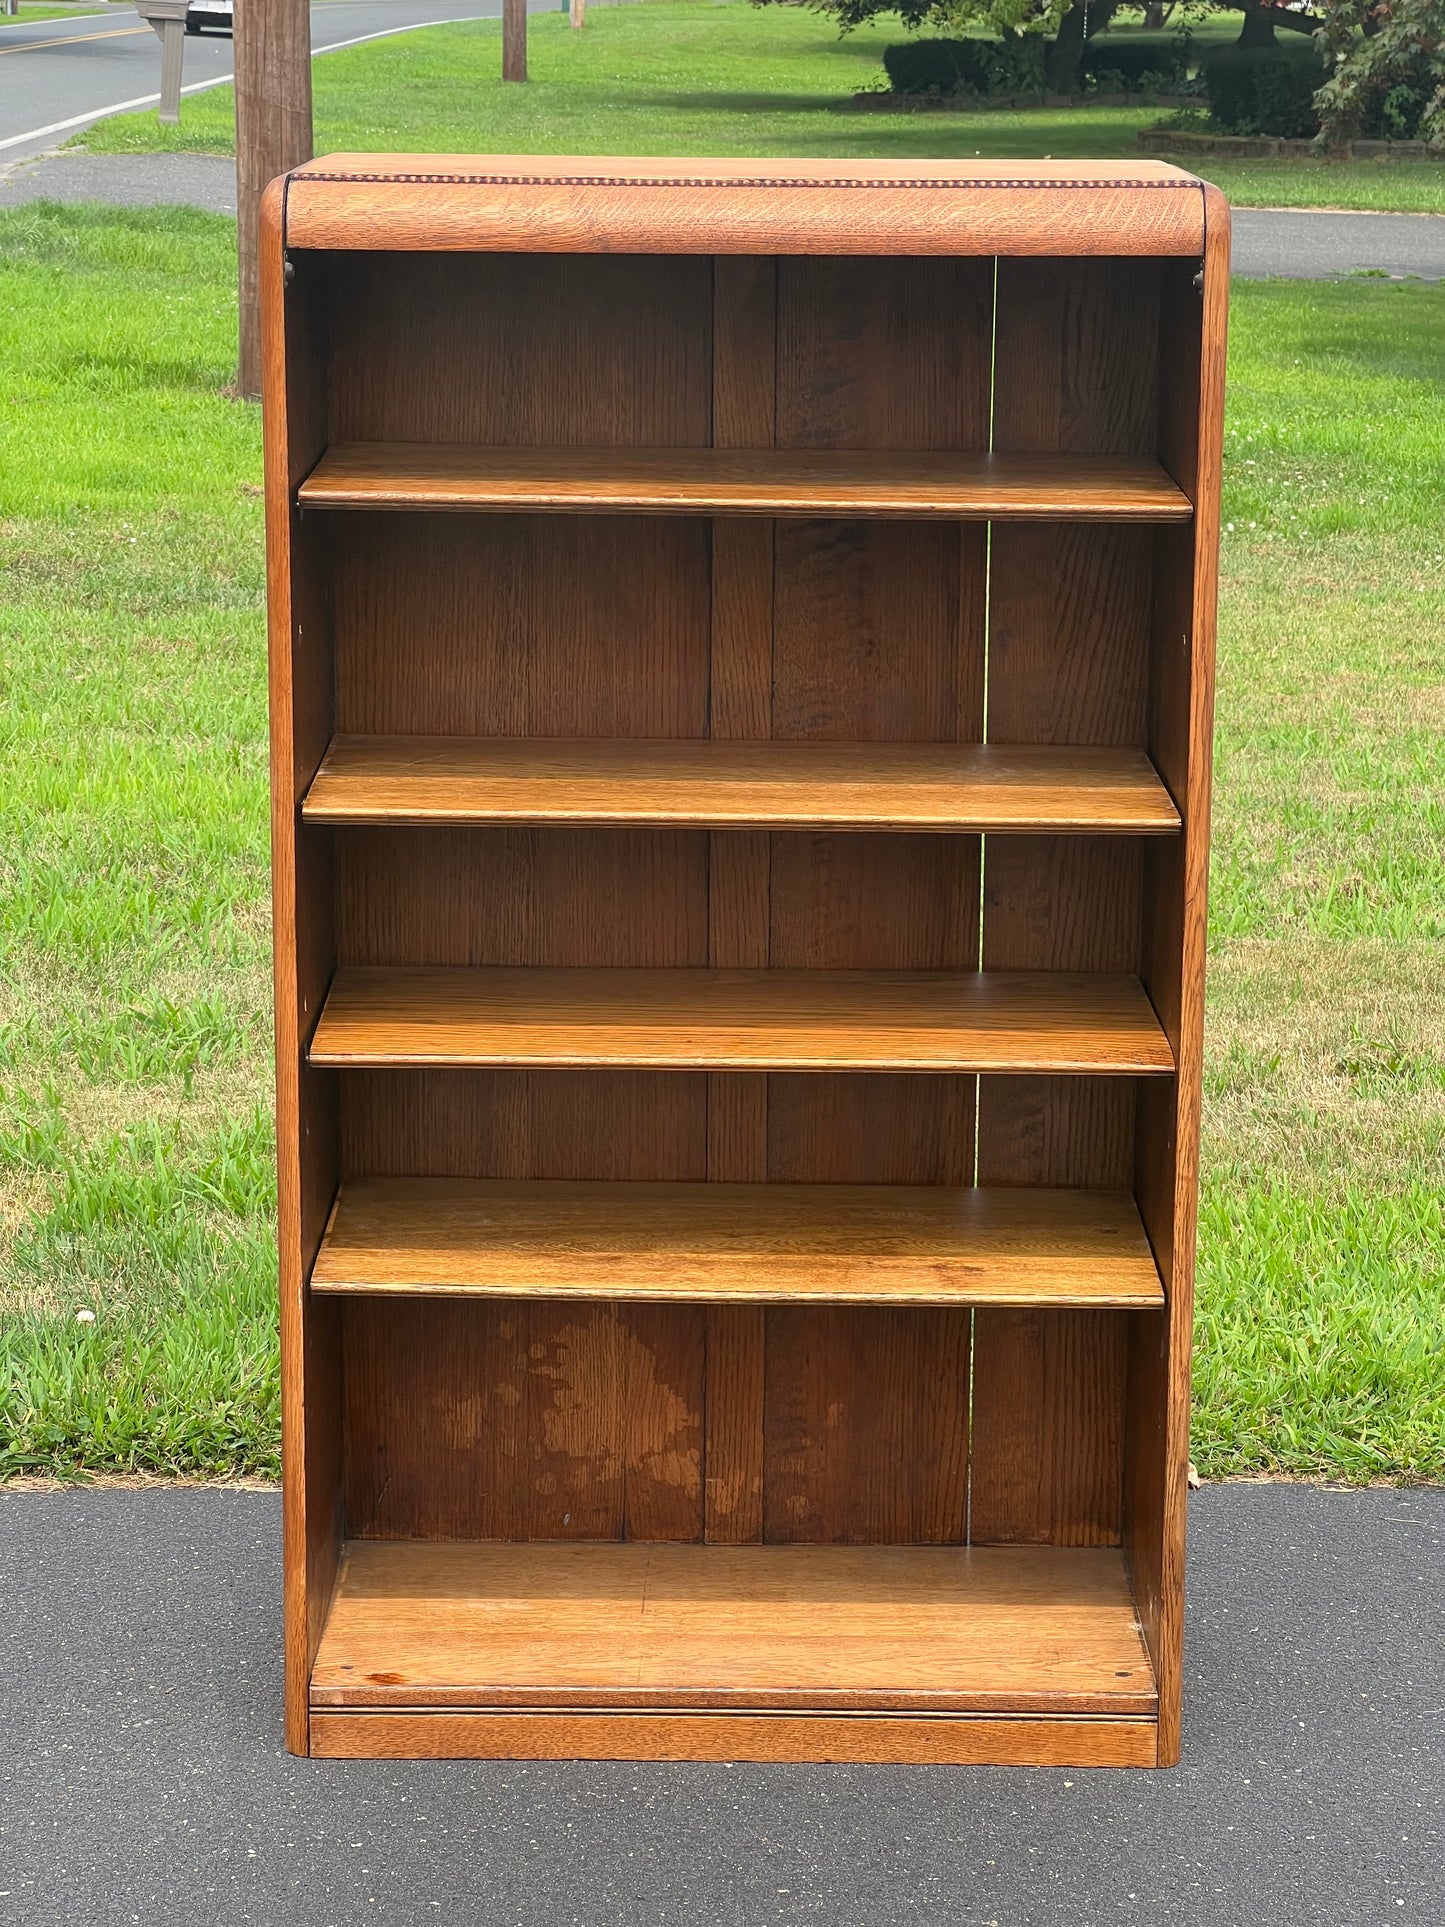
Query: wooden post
x=273, y=133
x=514, y=39
x=577, y=13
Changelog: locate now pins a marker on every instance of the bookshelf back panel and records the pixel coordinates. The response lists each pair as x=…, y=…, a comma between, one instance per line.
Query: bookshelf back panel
x=878, y=631
x=883, y=353
x=603, y=350
x=739, y=1423
x=522, y=625
x=523, y=1419
x=1071, y=620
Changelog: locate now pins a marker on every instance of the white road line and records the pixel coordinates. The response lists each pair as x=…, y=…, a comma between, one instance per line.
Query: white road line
x=221, y=80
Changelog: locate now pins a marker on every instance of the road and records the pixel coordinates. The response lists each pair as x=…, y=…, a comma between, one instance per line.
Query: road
x=142, y=1776
x=57, y=76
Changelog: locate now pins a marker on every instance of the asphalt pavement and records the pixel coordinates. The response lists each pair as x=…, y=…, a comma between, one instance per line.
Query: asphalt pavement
x=57, y=76
x=142, y=1776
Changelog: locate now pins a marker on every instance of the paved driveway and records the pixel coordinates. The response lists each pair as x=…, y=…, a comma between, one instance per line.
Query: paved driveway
x=142, y=1778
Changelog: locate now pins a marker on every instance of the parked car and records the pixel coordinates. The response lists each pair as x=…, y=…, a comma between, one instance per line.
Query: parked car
x=209, y=16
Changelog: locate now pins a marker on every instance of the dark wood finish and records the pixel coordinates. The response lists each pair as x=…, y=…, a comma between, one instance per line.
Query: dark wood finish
x=1070, y=614
x=699, y=481
x=739, y=949
x=523, y=1420
x=589, y=626
x=740, y=1020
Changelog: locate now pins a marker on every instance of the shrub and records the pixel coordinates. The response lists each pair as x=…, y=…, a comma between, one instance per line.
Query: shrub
x=1265, y=90
x=1115, y=67
x=989, y=69
x=1387, y=79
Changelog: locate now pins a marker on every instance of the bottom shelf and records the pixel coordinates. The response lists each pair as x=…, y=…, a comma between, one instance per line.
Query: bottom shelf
x=702, y=1651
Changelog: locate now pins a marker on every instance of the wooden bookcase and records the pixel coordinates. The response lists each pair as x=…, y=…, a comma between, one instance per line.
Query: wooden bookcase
x=742, y=670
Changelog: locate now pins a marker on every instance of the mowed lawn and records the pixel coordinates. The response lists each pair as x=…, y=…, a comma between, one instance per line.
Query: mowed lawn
x=709, y=77
x=135, y=1123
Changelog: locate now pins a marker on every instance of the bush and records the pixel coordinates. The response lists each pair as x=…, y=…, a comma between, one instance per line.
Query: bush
x=1388, y=71
x=1265, y=90
x=1115, y=67
x=988, y=69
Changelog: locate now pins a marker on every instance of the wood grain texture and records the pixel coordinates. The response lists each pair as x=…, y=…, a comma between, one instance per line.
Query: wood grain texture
x=1167, y=1177
x=703, y=481
x=1049, y=1388
x=733, y=1421
x=878, y=355
x=294, y=346
x=613, y=1126
x=818, y=1243
x=524, y=351
x=881, y=1628
x=587, y=626
x=639, y=950
x=500, y=203
x=1069, y=615
x=1070, y=619
x=610, y=898
x=740, y=785
x=865, y=1431
x=740, y=705
x=521, y=1419
x=877, y=1739
x=736, y=1019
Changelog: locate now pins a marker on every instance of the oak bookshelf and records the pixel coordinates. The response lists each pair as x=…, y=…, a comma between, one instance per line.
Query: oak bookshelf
x=742, y=675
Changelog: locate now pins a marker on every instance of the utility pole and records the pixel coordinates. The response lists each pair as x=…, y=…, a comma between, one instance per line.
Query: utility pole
x=514, y=39
x=273, y=133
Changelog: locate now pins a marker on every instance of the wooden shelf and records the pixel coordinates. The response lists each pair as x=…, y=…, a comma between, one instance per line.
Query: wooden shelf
x=841, y=1020
x=745, y=481
x=740, y=785
x=1013, y=1629
x=752, y=1243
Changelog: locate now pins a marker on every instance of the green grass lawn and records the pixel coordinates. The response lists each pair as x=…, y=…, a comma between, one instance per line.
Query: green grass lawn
x=705, y=77
x=32, y=10
x=135, y=1126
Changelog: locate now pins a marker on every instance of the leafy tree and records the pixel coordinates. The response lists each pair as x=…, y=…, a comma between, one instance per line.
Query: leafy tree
x=1070, y=22
x=1388, y=67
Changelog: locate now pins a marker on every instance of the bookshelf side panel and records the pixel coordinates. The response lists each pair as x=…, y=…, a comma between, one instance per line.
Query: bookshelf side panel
x=1181, y=719
x=295, y=330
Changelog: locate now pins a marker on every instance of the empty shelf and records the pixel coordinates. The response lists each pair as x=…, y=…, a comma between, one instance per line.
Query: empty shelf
x=744, y=481
x=839, y=786
x=1013, y=1629
x=740, y=1020
x=757, y=1243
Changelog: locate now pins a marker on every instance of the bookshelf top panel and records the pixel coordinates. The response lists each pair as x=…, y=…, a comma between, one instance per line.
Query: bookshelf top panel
x=578, y=204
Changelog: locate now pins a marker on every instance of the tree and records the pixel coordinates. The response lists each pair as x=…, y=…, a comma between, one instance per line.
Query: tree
x=1072, y=23
x=1386, y=58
